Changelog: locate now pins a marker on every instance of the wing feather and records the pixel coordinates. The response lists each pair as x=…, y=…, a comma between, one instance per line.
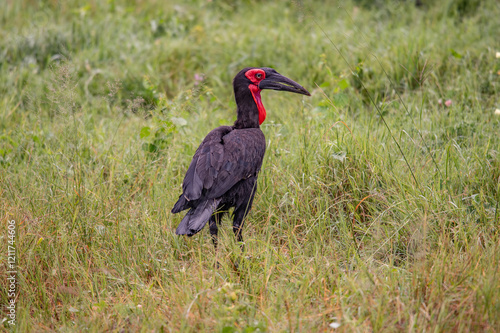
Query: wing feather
x=225, y=157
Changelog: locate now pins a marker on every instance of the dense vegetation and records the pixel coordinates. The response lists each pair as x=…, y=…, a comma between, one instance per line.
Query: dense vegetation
x=377, y=206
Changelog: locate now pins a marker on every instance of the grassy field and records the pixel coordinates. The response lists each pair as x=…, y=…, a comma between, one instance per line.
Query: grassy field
x=377, y=205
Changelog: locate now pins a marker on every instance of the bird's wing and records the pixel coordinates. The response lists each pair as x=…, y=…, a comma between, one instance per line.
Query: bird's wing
x=225, y=157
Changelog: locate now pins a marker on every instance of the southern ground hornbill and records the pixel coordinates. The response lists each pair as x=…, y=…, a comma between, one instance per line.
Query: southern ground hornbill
x=224, y=169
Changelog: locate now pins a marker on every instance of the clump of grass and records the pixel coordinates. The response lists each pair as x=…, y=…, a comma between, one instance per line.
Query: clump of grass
x=102, y=112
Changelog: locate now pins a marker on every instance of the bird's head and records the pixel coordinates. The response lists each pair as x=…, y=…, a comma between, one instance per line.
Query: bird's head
x=250, y=81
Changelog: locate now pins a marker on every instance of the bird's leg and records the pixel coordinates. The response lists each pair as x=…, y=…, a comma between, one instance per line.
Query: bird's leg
x=241, y=212
x=214, y=230
x=237, y=229
x=214, y=220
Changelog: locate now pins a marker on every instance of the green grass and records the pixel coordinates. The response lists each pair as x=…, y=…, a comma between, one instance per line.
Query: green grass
x=101, y=113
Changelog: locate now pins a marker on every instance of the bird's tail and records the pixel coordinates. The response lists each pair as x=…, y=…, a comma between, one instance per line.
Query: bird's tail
x=180, y=205
x=197, y=217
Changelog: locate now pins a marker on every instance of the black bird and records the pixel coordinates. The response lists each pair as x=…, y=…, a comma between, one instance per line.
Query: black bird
x=224, y=169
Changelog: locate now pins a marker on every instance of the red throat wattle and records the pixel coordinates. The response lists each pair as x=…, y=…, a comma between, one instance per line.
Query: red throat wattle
x=254, y=89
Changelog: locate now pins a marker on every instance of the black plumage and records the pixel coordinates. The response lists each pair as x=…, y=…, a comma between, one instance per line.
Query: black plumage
x=224, y=170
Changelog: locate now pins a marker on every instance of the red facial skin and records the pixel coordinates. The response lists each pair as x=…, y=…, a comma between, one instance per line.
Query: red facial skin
x=252, y=75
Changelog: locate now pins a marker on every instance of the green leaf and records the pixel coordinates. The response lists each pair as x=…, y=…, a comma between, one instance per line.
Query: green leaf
x=343, y=84
x=145, y=132
x=456, y=54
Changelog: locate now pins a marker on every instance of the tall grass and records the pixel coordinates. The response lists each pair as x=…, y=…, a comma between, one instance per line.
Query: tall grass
x=103, y=105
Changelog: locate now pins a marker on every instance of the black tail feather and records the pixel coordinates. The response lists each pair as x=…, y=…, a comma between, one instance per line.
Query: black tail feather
x=197, y=217
x=180, y=205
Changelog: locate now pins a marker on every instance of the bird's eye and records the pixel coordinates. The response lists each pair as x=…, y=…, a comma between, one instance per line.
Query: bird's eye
x=258, y=75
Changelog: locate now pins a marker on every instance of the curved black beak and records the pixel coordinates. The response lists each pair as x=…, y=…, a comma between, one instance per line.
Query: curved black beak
x=276, y=81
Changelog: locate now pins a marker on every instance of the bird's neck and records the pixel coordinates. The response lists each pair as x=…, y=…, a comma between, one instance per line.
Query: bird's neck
x=250, y=110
